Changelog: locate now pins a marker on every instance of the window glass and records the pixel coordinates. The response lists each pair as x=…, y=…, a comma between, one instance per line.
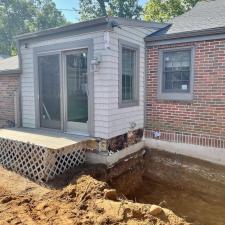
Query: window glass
x=77, y=99
x=128, y=73
x=49, y=90
x=176, y=71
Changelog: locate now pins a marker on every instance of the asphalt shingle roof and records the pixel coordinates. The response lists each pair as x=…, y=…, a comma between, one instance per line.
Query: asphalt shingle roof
x=205, y=14
x=11, y=63
x=206, y=17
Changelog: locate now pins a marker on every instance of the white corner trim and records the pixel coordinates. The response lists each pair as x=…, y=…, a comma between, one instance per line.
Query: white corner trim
x=107, y=39
x=211, y=154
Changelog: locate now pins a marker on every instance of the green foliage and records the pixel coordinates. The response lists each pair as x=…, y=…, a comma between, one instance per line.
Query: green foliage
x=127, y=9
x=155, y=10
x=161, y=11
x=90, y=9
x=14, y=19
x=21, y=16
x=47, y=16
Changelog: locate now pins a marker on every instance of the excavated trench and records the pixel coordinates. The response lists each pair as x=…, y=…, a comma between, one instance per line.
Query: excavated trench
x=192, y=189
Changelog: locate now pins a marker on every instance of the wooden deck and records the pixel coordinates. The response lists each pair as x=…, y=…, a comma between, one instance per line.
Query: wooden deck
x=45, y=138
x=42, y=154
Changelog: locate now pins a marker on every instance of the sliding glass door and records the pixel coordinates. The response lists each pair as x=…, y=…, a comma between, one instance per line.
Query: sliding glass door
x=49, y=91
x=76, y=100
x=65, y=76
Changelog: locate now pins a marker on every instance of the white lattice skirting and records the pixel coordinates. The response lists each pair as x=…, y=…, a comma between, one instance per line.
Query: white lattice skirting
x=37, y=162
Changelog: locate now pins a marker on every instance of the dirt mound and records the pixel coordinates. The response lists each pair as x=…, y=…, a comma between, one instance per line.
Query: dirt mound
x=81, y=202
x=84, y=188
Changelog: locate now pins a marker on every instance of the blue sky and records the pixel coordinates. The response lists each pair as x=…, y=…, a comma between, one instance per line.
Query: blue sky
x=68, y=5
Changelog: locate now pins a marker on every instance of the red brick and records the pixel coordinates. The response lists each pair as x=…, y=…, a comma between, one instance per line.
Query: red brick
x=8, y=86
x=205, y=114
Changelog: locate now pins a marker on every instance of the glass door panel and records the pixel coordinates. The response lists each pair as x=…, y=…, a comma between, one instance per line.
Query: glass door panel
x=77, y=88
x=49, y=91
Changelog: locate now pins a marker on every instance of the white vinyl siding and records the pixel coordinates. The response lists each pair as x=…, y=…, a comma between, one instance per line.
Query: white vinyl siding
x=120, y=119
x=27, y=81
x=109, y=119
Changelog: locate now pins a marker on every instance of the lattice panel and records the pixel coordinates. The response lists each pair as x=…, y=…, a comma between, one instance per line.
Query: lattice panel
x=25, y=158
x=63, y=160
x=36, y=162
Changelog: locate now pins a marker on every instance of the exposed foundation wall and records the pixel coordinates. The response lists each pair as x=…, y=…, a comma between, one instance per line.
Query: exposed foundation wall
x=9, y=90
x=120, y=142
x=186, y=174
x=200, y=121
x=191, y=150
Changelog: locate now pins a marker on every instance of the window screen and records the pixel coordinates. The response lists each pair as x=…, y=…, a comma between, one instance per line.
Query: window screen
x=176, y=71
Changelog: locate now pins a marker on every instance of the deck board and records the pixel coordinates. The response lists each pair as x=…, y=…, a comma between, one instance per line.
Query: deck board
x=44, y=138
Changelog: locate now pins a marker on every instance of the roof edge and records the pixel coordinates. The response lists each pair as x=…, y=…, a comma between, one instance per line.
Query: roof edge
x=187, y=34
x=107, y=20
x=15, y=72
x=55, y=30
x=138, y=23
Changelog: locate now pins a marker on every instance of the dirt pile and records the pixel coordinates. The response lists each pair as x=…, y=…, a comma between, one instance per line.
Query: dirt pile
x=81, y=202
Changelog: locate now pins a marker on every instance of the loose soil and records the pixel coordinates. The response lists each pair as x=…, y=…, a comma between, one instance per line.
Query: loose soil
x=80, y=202
x=189, y=191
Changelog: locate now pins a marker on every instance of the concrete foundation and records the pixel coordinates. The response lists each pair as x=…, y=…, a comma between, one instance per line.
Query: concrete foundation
x=43, y=155
x=211, y=154
x=110, y=160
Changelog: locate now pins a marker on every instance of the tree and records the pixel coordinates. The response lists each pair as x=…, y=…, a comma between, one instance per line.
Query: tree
x=102, y=7
x=21, y=16
x=155, y=10
x=47, y=15
x=126, y=9
x=161, y=11
x=14, y=19
x=90, y=9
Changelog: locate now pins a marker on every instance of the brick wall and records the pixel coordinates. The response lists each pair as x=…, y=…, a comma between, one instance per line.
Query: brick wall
x=204, y=116
x=8, y=86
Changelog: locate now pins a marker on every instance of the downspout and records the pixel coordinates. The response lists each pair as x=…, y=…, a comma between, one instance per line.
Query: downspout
x=18, y=95
x=145, y=88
